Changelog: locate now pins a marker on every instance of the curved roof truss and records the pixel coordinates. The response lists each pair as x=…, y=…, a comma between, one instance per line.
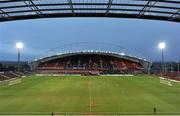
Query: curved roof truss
x=168, y=10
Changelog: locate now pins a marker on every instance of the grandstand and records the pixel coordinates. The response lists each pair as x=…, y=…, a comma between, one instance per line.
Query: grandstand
x=90, y=62
x=8, y=70
x=12, y=66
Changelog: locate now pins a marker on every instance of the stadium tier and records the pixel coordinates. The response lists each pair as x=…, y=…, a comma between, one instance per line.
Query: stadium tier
x=90, y=62
x=8, y=70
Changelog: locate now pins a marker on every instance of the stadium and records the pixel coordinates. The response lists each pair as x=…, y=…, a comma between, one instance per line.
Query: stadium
x=95, y=80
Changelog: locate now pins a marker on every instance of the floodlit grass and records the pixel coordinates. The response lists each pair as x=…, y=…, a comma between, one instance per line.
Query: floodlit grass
x=92, y=94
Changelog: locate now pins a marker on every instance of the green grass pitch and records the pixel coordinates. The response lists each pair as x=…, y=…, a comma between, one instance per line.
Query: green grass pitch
x=90, y=95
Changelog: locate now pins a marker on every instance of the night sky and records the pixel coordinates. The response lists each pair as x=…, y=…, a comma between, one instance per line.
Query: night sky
x=133, y=36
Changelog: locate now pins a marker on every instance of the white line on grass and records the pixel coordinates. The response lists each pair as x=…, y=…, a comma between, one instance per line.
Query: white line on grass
x=90, y=97
x=100, y=113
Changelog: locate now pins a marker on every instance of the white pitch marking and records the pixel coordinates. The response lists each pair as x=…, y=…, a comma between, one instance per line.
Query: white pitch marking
x=90, y=97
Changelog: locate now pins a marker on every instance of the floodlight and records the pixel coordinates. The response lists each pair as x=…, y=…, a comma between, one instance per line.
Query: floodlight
x=162, y=45
x=19, y=45
x=122, y=54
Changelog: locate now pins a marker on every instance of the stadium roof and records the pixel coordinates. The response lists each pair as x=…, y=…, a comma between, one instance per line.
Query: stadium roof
x=168, y=10
x=109, y=53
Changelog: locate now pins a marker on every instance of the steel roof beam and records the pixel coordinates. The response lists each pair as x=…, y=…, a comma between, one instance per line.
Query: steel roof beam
x=114, y=15
x=167, y=9
x=31, y=4
x=162, y=1
x=8, y=1
x=175, y=15
x=108, y=7
x=147, y=7
x=114, y=9
x=5, y=14
x=98, y=4
x=71, y=6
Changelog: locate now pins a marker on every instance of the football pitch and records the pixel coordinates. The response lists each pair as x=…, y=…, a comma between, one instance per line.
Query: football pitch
x=89, y=95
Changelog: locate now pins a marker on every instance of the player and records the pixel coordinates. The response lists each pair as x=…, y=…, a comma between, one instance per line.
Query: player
x=154, y=109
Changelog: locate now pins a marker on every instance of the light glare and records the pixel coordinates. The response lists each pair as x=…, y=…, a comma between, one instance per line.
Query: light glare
x=162, y=45
x=19, y=45
x=122, y=54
